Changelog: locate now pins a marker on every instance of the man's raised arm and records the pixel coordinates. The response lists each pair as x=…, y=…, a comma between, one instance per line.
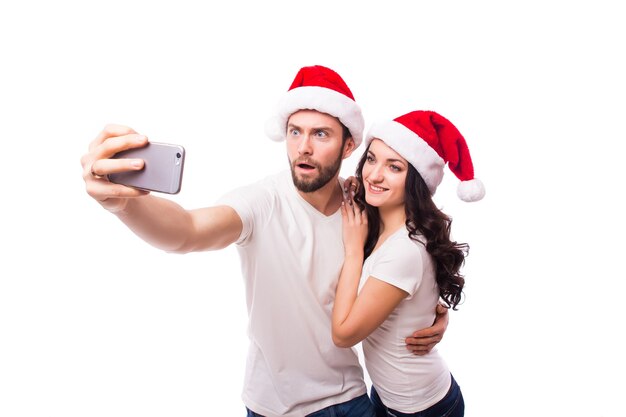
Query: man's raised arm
x=160, y=222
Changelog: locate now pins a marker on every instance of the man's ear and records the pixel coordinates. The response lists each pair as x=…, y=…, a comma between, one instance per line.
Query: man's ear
x=348, y=147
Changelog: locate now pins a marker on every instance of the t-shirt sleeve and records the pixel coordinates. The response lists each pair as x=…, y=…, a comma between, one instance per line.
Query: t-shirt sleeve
x=253, y=204
x=401, y=265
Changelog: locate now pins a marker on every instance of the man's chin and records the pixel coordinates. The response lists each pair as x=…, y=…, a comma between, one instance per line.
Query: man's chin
x=308, y=183
x=312, y=176
x=307, y=186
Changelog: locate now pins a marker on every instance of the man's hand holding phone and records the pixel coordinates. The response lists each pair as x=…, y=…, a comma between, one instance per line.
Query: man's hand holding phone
x=99, y=163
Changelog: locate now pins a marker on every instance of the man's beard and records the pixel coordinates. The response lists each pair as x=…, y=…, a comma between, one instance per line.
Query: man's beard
x=326, y=173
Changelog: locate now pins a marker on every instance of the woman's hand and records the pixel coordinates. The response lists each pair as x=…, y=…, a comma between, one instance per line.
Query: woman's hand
x=350, y=186
x=354, y=226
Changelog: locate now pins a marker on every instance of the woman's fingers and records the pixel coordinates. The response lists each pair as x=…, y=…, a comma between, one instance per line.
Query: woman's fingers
x=352, y=213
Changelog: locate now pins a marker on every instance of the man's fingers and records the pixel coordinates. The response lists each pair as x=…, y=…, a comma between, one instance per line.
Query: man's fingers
x=117, y=144
x=421, y=350
x=109, y=131
x=423, y=341
x=441, y=309
x=426, y=333
x=97, y=163
x=104, y=167
x=104, y=190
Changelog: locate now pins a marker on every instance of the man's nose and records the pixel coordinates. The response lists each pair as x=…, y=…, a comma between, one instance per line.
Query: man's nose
x=304, y=148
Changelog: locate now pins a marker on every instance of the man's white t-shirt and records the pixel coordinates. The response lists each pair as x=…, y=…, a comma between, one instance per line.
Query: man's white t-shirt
x=291, y=258
x=405, y=382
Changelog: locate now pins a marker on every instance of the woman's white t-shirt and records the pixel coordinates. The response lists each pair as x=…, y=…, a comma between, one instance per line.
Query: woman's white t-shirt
x=405, y=382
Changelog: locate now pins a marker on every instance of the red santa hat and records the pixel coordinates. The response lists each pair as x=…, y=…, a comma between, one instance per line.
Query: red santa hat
x=428, y=141
x=322, y=89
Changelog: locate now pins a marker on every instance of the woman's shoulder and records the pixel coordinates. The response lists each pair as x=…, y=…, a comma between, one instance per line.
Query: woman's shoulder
x=401, y=245
x=401, y=262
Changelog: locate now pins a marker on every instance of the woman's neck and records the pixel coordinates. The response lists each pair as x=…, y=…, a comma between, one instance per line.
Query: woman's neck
x=391, y=219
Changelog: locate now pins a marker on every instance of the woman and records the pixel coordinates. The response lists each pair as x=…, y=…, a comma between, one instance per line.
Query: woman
x=400, y=261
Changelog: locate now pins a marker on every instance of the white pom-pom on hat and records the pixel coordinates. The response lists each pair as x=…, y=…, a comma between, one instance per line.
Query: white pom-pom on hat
x=470, y=191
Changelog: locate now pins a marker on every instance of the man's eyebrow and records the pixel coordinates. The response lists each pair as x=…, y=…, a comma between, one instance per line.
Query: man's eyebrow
x=291, y=125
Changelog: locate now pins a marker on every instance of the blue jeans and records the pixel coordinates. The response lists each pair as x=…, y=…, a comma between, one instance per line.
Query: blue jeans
x=358, y=407
x=452, y=405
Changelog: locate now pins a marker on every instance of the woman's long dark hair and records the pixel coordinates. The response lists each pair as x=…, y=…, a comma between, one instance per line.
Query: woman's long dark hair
x=423, y=217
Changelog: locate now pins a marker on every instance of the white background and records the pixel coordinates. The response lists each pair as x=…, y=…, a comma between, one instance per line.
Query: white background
x=93, y=322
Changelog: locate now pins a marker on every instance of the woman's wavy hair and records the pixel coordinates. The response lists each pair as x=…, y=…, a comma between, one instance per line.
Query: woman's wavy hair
x=424, y=218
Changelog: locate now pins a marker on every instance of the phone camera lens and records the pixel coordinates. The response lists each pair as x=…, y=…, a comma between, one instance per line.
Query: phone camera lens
x=178, y=155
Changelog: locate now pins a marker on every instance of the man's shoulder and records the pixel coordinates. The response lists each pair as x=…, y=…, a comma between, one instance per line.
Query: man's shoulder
x=277, y=184
x=270, y=181
x=278, y=179
x=267, y=188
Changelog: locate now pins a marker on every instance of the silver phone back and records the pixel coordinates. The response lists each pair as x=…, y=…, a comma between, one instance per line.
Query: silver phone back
x=163, y=168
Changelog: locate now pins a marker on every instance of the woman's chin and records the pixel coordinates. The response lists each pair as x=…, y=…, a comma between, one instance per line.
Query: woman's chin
x=372, y=201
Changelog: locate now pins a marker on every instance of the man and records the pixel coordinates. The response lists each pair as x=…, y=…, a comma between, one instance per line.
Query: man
x=287, y=228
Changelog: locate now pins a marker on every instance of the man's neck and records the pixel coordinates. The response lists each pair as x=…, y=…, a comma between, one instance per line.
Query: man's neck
x=327, y=199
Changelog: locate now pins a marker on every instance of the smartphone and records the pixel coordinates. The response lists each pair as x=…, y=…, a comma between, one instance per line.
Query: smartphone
x=162, y=171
